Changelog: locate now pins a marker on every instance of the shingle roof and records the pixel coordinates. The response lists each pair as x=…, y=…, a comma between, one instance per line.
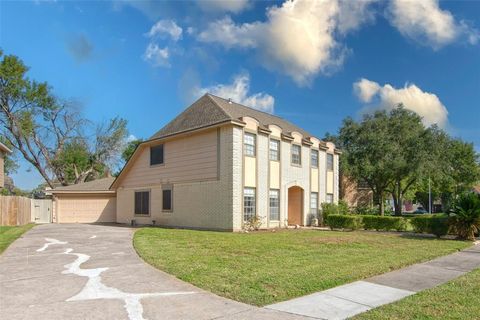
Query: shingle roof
x=210, y=110
x=95, y=185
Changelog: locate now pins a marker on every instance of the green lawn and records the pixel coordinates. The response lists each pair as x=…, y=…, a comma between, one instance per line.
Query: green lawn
x=8, y=234
x=457, y=299
x=260, y=268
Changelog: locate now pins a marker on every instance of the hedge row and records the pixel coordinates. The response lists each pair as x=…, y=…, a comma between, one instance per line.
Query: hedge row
x=437, y=225
x=434, y=224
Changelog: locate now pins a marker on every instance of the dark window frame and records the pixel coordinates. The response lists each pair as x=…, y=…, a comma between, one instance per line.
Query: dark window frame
x=143, y=207
x=330, y=164
x=312, y=163
x=170, y=209
x=153, y=157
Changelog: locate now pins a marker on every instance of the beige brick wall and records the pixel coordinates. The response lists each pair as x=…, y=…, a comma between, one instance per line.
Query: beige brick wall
x=203, y=204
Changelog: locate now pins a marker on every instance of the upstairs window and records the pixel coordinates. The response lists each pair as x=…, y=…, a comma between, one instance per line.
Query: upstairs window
x=249, y=144
x=314, y=158
x=329, y=198
x=296, y=154
x=274, y=150
x=329, y=162
x=142, y=202
x=156, y=155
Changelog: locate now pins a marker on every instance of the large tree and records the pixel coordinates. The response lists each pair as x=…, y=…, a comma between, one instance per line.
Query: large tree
x=51, y=134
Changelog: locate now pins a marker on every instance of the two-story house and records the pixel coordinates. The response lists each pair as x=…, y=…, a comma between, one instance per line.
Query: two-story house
x=219, y=163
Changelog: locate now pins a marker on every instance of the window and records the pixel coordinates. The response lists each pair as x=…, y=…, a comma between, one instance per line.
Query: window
x=249, y=144
x=314, y=203
x=249, y=210
x=314, y=158
x=274, y=150
x=156, y=155
x=142, y=202
x=274, y=204
x=329, y=197
x=329, y=162
x=167, y=200
x=296, y=154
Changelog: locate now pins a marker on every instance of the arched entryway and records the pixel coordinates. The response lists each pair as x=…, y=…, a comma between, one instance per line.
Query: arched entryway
x=295, y=206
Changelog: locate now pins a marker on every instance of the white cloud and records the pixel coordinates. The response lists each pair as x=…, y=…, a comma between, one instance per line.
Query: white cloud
x=299, y=38
x=366, y=89
x=157, y=56
x=424, y=21
x=386, y=97
x=238, y=91
x=166, y=28
x=234, y=6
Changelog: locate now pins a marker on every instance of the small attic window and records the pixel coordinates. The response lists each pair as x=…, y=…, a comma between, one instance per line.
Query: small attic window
x=156, y=155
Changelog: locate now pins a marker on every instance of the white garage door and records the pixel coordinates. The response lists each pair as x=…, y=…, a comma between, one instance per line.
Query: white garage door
x=86, y=208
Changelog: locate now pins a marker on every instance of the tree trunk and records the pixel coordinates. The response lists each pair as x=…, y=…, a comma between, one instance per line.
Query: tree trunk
x=382, y=203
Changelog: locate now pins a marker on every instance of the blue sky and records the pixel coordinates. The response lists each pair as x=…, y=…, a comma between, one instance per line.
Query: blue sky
x=313, y=63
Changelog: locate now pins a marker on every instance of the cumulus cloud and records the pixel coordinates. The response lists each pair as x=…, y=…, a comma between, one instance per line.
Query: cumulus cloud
x=424, y=21
x=157, y=56
x=234, y=6
x=80, y=47
x=386, y=97
x=299, y=38
x=161, y=30
x=239, y=91
x=165, y=28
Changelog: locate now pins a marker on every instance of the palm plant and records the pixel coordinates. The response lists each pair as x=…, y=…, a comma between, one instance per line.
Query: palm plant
x=466, y=216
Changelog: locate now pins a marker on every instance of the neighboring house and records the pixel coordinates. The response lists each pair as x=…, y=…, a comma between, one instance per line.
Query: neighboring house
x=84, y=202
x=355, y=194
x=220, y=163
x=4, y=150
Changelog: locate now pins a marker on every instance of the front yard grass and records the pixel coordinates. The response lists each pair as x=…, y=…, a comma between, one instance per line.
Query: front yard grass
x=261, y=268
x=8, y=234
x=457, y=299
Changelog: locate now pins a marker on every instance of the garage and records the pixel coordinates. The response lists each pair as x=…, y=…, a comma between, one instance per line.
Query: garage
x=89, y=202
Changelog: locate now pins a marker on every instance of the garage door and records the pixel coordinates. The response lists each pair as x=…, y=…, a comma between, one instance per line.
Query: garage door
x=86, y=209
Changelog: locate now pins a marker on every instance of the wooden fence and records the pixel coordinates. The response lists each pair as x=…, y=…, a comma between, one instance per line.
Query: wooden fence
x=15, y=210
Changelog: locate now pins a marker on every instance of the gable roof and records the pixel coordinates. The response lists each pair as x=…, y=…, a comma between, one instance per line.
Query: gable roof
x=91, y=186
x=210, y=110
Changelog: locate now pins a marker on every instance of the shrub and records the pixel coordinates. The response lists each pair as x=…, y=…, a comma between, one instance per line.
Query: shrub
x=252, y=224
x=366, y=210
x=466, y=216
x=343, y=221
x=384, y=223
x=332, y=208
x=434, y=224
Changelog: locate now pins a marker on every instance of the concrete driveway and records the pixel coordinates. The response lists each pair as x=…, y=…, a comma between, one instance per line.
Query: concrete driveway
x=80, y=271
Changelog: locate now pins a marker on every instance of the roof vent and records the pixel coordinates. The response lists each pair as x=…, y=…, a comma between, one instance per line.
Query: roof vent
x=230, y=100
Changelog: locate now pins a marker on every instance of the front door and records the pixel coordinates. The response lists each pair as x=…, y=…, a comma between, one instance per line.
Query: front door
x=295, y=206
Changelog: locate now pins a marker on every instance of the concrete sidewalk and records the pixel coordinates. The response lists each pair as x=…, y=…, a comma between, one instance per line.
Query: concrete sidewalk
x=348, y=300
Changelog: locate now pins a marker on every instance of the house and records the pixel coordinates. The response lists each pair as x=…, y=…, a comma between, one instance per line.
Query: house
x=355, y=194
x=4, y=150
x=215, y=166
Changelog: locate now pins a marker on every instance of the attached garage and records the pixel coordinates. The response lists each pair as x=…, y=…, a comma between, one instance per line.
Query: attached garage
x=89, y=202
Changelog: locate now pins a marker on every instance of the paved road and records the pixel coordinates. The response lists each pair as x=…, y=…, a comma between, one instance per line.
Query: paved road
x=75, y=271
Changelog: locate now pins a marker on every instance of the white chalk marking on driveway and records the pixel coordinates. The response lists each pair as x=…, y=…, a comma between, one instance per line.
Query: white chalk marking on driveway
x=50, y=242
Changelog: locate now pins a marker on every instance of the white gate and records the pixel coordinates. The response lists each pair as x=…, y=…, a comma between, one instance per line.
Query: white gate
x=41, y=210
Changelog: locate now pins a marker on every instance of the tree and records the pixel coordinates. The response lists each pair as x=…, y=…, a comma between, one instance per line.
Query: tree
x=49, y=133
x=367, y=153
x=130, y=149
